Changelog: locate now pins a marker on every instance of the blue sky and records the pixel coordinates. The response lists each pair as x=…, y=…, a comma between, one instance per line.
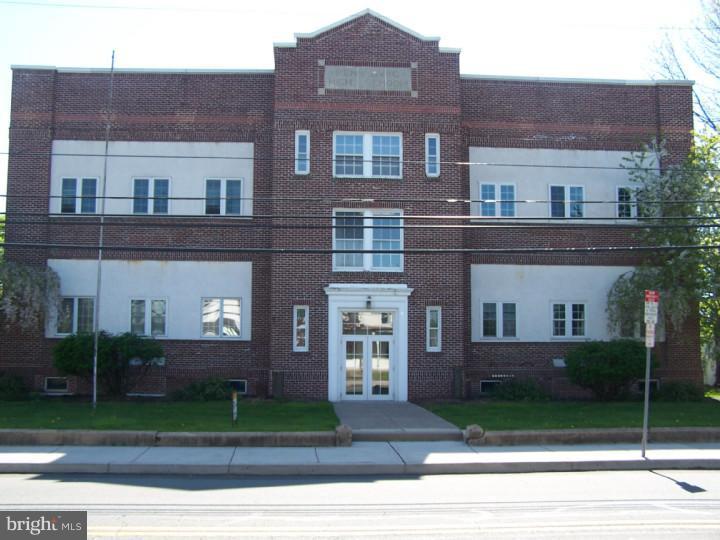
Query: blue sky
x=553, y=38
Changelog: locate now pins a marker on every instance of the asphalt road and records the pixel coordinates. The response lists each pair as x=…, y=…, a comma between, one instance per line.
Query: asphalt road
x=637, y=504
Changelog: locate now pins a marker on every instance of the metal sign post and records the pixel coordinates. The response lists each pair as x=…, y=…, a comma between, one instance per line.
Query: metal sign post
x=652, y=298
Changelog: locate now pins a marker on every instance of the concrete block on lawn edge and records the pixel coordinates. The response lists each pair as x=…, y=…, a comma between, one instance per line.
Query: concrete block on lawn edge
x=343, y=435
x=86, y=437
x=30, y=437
x=474, y=435
x=249, y=438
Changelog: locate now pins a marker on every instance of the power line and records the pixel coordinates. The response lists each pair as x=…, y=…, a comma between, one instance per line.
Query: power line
x=250, y=225
x=245, y=217
x=355, y=161
x=407, y=251
x=175, y=9
x=448, y=200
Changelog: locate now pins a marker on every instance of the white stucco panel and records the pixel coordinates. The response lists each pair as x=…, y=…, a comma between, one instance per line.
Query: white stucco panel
x=183, y=284
x=533, y=171
x=534, y=288
x=186, y=164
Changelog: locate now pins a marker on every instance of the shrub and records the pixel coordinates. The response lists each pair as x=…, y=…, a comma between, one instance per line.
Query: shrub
x=606, y=368
x=679, y=391
x=12, y=388
x=519, y=390
x=213, y=389
x=73, y=355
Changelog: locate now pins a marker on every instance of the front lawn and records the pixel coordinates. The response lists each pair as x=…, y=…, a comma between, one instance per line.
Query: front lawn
x=253, y=415
x=509, y=415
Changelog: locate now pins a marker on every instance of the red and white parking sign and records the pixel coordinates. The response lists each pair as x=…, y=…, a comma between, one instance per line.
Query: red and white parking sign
x=651, y=314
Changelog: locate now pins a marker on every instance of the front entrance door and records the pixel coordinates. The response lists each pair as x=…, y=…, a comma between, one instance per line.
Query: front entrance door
x=366, y=351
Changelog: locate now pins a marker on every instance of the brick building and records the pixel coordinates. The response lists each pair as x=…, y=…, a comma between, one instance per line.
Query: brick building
x=362, y=138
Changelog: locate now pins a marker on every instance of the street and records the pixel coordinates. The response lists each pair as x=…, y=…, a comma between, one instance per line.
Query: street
x=637, y=504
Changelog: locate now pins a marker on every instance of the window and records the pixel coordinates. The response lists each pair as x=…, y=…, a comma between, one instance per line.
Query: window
x=148, y=317
x=567, y=201
x=301, y=315
x=223, y=196
x=489, y=195
x=433, y=330
x=626, y=203
x=75, y=315
x=499, y=320
x=85, y=203
x=432, y=154
x=239, y=384
x=145, y=190
x=302, y=152
x=56, y=385
x=568, y=320
x=367, y=155
x=367, y=230
x=221, y=317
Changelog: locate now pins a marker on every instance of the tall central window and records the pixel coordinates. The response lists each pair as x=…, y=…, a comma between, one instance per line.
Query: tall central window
x=367, y=155
x=376, y=231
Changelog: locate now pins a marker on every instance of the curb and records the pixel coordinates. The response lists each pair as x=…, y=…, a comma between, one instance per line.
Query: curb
x=408, y=434
x=475, y=436
x=342, y=436
x=361, y=469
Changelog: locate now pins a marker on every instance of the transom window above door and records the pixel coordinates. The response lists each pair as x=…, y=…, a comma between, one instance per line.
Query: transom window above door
x=367, y=155
x=365, y=323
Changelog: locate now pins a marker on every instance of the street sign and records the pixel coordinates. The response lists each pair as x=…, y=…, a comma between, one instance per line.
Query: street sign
x=650, y=335
x=651, y=306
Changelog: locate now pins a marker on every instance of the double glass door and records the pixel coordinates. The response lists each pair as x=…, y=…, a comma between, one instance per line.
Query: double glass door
x=367, y=342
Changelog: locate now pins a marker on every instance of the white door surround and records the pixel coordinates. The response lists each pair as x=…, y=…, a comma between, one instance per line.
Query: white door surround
x=375, y=298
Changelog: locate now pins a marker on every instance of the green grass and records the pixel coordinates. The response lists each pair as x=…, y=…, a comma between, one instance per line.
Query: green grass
x=253, y=415
x=713, y=393
x=510, y=415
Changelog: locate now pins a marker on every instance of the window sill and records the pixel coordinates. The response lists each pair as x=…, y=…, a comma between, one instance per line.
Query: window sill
x=367, y=177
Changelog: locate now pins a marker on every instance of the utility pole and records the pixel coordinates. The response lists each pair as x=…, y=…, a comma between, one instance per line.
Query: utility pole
x=98, y=284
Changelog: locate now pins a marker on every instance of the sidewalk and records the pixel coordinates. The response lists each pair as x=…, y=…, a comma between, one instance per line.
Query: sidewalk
x=401, y=457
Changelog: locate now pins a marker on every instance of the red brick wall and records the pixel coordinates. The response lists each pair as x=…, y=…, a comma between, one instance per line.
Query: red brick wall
x=266, y=109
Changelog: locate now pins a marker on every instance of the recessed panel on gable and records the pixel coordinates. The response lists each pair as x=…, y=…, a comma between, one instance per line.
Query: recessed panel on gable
x=378, y=79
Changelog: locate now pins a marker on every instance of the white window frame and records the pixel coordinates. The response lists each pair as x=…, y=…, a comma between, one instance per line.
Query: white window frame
x=245, y=384
x=367, y=155
x=300, y=159
x=78, y=197
x=76, y=312
x=499, y=320
x=222, y=316
x=147, y=331
x=368, y=218
x=223, y=196
x=56, y=392
x=567, y=203
x=497, y=204
x=296, y=347
x=567, y=336
x=429, y=159
x=428, y=346
x=151, y=195
x=632, y=203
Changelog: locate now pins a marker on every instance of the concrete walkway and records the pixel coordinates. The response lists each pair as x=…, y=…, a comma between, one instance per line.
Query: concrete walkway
x=393, y=421
x=400, y=457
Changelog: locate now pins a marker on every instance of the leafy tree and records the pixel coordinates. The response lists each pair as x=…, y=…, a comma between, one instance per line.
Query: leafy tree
x=123, y=360
x=698, y=58
x=688, y=279
x=27, y=293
